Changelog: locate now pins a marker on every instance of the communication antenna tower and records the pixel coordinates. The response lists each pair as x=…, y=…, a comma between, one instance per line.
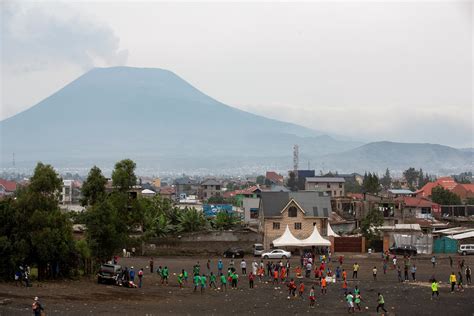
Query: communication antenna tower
x=295, y=159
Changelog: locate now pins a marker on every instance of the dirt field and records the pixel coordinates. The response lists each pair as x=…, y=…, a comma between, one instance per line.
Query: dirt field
x=86, y=297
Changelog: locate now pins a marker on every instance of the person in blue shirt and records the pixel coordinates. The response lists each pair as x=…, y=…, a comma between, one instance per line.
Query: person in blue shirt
x=220, y=266
x=132, y=275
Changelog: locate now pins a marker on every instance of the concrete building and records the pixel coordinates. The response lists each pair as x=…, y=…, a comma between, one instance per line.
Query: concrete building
x=299, y=210
x=209, y=188
x=333, y=186
x=185, y=186
x=70, y=193
x=7, y=187
x=250, y=205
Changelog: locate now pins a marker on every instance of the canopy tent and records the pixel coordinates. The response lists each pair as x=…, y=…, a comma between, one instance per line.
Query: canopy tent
x=331, y=232
x=287, y=239
x=315, y=239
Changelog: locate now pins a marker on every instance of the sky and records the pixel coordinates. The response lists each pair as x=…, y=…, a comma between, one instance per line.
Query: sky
x=373, y=70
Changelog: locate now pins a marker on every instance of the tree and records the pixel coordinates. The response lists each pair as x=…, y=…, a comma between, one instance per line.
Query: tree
x=37, y=232
x=291, y=183
x=386, y=180
x=444, y=197
x=412, y=176
x=105, y=234
x=369, y=225
x=123, y=176
x=224, y=220
x=190, y=220
x=261, y=180
x=371, y=183
x=352, y=186
x=469, y=201
x=93, y=188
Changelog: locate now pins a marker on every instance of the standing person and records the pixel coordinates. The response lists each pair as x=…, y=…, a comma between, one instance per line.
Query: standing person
x=203, y=282
x=251, y=279
x=394, y=260
x=350, y=302
x=308, y=269
x=301, y=289
x=381, y=303
x=283, y=274
x=37, y=307
x=196, y=281
x=260, y=273
x=399, y=273
x=165, y=273
x=324, y=286
x=452, y=280
x=140, y=277
x=185, y=276
x=235, y=279
x=223, y=282
x=355, y=270
x=385, y=267
x=344, y=275
x=132, y=274
x=341, y=259
x=151, y=264
x=208, y=265
x=196, y=268
x=374, y=273
x=269, y=269
x=433, y=261
x=243, y=266
x=254, y=267
x=338, y=273
x=460, y=287
x=357, y=297
x=413, y=272
x=434, y=288
x=181, y=279
x=291, y=288
x=220, y=266
x=158, y=271
x=312, y=297
x=468, y=275
x=405, y=270
x=275, y=276
x=450, y=261
x=344, y=287
x=212, y=281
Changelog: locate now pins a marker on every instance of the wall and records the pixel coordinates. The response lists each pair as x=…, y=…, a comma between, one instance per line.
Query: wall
x=349, y=244
x=203, y=243
x=247, y=204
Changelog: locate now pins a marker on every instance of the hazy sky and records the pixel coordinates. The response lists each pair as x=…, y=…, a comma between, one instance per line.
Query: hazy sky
x=399, y=71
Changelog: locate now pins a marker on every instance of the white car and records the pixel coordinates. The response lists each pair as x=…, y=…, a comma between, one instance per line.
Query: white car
x=277, y=254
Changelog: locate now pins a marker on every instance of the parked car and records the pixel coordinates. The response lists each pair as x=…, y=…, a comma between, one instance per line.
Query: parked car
x=258, y=250
x=466, y=249
x=109, y=273
x=234, y=252
x=277, y=254
x=403, y=250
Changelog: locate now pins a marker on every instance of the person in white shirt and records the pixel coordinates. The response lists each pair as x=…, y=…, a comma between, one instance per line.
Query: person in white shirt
x=243, y=266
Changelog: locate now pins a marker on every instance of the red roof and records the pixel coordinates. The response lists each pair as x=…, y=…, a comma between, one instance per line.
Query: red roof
x=356, y=196
x=10, y=186
x=274, y=177
x=247, y=191
x=447, y=183
x=416, y=201
x=467, y=187
x=167, y=190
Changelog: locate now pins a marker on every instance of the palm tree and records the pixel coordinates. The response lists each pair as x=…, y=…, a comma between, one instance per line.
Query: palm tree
x=190, y=220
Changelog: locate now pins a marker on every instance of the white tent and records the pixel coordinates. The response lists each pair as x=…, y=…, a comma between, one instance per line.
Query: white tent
x=331, y=232
x=287, y=239
x=148, y=192
x=315, y=239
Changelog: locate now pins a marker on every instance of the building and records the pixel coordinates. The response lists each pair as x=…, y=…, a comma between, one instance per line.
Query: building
x=333, y=186
x=209, y=188
x=447, y=183
x=250, y=206
x=70, y=192
x=239, y=195
x=272, y=177
x=464, y=191
x=299, y=210
x=395, y=193
x=301, y=177
x=413, y=207
x=167, y=192
x=186, y=186
x=156, y=182
x=7, y=187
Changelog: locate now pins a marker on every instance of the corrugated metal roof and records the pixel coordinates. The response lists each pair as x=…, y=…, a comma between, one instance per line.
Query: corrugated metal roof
x=313, y=203
x=325, y=179
x=463, y=235
x=400, y=191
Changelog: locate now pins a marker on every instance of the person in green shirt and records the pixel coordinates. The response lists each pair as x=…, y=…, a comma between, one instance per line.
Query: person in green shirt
x=196, y=268
x=235, y=278
x=185, y=275
x=224, y=282
x=381, y=303
x=212, y=282
x=197, y=281
x=203, y=282
x=180, y=279
x=350, y=302
x=434, y=288
x=165, y=273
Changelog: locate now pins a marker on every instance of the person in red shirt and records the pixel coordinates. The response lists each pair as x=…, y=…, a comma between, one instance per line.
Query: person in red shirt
x=251, y=278
x=323, y=286
x=301, y=289
x=275, y=276
x=312, y=297
x=344, y=275
x=283, y=274
x=341, y=259
x=292, y=288
x=344, y=287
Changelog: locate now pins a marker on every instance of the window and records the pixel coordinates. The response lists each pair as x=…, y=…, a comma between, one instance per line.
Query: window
x=297, y=225
x=328, y=185
x=340, y=193
x=340, y=185
x=276, y=225
x=254, y=213
x=335, y=193
x=292, y=212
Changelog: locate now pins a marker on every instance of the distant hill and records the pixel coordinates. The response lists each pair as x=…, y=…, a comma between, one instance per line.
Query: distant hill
x=154, y=117
x=165, y=124
x=400, y=156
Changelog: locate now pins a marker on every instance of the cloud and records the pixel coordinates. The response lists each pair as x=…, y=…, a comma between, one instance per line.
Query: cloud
x=38, y=37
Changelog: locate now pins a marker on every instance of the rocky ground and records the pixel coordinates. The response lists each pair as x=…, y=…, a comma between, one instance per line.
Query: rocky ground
x=86, y=297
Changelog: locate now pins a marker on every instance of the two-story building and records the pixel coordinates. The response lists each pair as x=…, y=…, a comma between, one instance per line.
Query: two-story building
x=301, y=211
x=209, y=188
x=333, y=186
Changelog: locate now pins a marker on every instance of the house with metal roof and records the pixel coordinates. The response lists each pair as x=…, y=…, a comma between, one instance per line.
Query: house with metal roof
x=209, y=188
x=301, y=211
